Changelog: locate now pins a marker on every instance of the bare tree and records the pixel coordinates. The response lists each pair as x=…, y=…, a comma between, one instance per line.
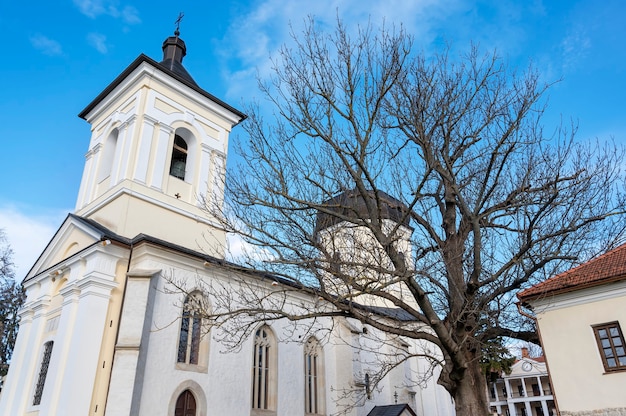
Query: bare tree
x=11, y=299
x=389, y=180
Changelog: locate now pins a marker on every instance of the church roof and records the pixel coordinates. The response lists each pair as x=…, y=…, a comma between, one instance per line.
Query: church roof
x=392, y=410
x=607, y=268
x=351, y=204
x=104, y=233
x=394, y=313
x=173, y=52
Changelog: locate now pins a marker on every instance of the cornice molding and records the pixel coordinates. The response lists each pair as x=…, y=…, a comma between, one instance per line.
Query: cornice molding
x=146, y=70
x=126, y=191
x=579, y=297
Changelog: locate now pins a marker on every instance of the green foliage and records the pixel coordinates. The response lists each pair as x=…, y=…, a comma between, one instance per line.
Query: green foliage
x=11, y=299
x=496, y=359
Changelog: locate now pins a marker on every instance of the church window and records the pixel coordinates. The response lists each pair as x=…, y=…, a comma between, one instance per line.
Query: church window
x=264, y=370
x=179, y=158
x=190, y=330
x=185, y=404
x=43, y=372
x=314, y=375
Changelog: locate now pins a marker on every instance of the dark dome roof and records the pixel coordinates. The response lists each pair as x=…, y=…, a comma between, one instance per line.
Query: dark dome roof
x=352, y=204
x=174, y=50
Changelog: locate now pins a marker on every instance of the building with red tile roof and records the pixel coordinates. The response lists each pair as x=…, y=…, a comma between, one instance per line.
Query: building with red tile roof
x=609, y=267
x=580, y=314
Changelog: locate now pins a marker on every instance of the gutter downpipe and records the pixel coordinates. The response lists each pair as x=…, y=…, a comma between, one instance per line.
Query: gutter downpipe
x=534, y=318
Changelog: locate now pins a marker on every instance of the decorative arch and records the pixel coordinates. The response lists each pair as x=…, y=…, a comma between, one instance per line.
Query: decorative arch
x=264, y=371
x=72, y=248
x=198, y=395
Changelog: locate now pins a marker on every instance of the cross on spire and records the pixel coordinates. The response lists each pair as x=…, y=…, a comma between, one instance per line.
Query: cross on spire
x=177, y=23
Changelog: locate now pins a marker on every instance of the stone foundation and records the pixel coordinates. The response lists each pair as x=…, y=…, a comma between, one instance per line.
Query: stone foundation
x=621, y=411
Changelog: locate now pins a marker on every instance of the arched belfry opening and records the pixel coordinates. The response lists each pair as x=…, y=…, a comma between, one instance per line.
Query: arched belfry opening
x=178, y=164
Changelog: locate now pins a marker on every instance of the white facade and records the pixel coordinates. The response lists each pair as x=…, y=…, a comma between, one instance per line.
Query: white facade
x=581, y=383
x=101, y=329
x=525, y=391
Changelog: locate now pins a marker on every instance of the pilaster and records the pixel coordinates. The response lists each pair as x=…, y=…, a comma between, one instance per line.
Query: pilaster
x=87, y=305
x=121, y=169
x=144, y=150
x=125, y=388
x=87, y=186
x=23, y=387
x=160, y=161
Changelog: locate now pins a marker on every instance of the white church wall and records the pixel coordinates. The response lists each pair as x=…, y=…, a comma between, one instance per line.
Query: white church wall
x=226, y=380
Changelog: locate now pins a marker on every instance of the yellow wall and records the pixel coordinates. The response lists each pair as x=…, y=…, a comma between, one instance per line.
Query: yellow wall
x=575, y=364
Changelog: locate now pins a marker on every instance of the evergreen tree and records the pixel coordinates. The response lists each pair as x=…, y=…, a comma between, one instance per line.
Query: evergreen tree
x=11, y=299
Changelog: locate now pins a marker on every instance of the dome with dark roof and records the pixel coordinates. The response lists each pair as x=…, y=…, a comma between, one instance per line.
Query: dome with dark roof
x=351, y=204
x=174, y=50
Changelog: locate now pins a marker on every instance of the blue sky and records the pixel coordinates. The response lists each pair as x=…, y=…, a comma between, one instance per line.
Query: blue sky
x=58, y=55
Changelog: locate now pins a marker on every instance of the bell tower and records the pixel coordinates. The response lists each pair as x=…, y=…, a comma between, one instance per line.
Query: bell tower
x=352, y=256
x=157, y=154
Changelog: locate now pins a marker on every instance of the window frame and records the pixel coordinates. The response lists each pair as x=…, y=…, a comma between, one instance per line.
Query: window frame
x=314, y=393
x=264, y=372
x=46, y=357
x=608, y=326
x=193, y=339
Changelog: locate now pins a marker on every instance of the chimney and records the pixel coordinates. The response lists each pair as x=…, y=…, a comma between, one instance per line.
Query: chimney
x=525, y=352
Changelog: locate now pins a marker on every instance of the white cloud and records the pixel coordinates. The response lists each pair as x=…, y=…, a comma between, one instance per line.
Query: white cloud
x=130, y=15
x=258, y=34
x=575, y=47
x=240, y=251
x=46, y=45
x=90, y=8
x=98, y=41
x=96, y=8
x=28, y=235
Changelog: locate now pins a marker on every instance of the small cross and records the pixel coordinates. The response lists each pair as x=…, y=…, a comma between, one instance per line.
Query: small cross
x=177, y=195
x=177, y=22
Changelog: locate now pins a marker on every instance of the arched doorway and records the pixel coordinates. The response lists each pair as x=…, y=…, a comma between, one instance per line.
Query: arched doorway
x=185, y=404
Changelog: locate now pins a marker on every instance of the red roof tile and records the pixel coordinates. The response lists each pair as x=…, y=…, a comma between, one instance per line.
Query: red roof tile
x=606, y=268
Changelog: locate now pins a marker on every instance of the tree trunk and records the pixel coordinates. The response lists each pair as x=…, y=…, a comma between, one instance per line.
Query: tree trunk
x=470, y=398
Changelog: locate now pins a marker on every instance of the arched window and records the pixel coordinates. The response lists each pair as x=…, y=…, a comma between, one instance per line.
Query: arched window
x=190, y=330
x=43, y=372
x=179, y=158
x=313, y=378
x=185, y=404
x=264, y=370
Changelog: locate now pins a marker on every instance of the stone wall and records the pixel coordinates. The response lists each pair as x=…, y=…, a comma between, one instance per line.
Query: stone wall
x=621, y=411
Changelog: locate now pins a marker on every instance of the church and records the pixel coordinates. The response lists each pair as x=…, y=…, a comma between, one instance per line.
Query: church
x=103, y=333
